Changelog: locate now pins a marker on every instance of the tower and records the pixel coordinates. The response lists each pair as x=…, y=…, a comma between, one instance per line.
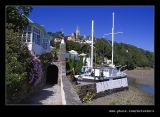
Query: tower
x=77, y=33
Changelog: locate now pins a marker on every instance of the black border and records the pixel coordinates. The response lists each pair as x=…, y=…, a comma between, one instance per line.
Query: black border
x=76, y=109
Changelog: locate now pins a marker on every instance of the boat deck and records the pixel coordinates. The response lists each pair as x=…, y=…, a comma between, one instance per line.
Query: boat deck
x=80, y=83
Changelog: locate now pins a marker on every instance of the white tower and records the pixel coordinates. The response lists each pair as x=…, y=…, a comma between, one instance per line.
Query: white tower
x=77, y=33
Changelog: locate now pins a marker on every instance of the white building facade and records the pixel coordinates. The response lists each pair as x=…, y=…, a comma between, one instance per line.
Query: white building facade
x=36, y=38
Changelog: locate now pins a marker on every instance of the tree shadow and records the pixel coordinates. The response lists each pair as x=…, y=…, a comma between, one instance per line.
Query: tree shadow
x=39, y=96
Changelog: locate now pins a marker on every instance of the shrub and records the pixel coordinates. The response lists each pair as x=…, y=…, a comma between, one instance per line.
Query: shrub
x=18, y=65
x=14, y=82
x=88, y=97
x=35, y=72
x=47, y=57
x=18, y=56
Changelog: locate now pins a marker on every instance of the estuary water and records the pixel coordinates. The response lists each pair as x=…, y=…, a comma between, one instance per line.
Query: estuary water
x=145, y=88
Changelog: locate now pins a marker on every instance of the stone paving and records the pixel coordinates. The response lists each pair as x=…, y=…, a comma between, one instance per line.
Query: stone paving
x=49, y=95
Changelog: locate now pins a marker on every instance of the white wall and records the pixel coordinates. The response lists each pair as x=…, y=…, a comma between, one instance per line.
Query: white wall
x=38, y=49
x=111, y=84
x=29, y=44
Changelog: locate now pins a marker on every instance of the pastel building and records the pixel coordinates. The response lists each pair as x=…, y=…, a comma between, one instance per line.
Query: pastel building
x=36, y=38
x=74, y=36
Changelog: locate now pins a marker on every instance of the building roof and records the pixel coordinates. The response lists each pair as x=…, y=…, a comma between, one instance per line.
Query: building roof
x=30, y=21
x=37, y=25
x=73, y=52
x=82, y=54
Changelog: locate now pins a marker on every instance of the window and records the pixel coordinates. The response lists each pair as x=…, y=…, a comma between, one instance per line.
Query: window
x=33, y=38
x=34, y=30
x=29, y=28
x=29, y=37
x=45, y=45
x=36, y=36
x=38, y=40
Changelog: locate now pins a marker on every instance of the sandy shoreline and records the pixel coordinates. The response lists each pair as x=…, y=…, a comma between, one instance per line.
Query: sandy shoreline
x=145, y=77
x=132, y=96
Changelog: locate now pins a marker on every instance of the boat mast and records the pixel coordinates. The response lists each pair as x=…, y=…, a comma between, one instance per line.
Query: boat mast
x=92, y=45
x=112, y=35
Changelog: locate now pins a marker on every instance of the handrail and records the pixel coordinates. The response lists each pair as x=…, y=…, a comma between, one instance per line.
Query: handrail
x=122, y=67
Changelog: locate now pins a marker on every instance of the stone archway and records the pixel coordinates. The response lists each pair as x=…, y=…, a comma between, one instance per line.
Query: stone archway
x=52, y=74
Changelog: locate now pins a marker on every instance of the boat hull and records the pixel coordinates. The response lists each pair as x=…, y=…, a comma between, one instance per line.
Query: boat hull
x=105, y=84
x=111, y=84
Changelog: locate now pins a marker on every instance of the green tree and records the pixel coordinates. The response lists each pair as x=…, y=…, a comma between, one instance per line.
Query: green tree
x=79, y=64
x=58, y=34
x=124, y=54
x=47, y=57
x=18, y=58
x=103, y=48
x=17, y=16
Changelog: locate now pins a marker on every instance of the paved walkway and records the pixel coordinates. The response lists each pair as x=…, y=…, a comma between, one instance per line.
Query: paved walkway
x=49, y=95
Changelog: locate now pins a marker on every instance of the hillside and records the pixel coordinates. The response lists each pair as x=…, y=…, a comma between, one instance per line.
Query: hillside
x=124, y=54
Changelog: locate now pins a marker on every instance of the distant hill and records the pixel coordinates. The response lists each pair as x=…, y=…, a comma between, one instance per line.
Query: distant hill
x=124, y=54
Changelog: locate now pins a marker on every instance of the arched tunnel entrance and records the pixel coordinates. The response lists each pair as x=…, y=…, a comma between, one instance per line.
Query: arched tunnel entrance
x=52, y=74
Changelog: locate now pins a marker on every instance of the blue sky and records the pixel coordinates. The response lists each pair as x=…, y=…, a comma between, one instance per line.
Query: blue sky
x=137, y=22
